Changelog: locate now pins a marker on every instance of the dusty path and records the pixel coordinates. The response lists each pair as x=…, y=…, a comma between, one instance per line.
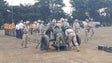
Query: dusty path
x=12, y=52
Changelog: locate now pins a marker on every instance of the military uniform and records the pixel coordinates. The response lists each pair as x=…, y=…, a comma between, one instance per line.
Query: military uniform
x=76, y=26
x=26, y=32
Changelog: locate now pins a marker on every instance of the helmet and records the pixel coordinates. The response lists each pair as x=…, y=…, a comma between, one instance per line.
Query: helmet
x=76, y=20
x=67, y=27
x=27, y=22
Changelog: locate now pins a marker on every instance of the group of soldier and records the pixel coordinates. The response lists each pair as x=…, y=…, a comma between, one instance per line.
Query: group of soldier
x=23, y=29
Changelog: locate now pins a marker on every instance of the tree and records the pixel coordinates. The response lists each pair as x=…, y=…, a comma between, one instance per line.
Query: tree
x=89, y=9
x=50, y=9
x=80, y=7
x=43, y=9
x=25, y=12
x=3, y=11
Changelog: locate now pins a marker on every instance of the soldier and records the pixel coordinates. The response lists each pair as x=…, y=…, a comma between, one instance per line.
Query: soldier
x=65, y=23
x=53, y=23
x=41, y=26
x=50, y=28
x=87, y=29
x=36, y=31
x=35, y=28
x=71, y=37
x=92, y=26
x=26, y=32
x=57, y=29
x=59, y=24
x=76, y=26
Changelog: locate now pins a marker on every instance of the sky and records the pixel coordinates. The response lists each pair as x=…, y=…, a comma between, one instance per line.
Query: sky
x=67, y=9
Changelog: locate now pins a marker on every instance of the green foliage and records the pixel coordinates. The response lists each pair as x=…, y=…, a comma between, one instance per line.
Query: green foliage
x=92, y=7
x=3, y=8
x=48, y=9
x=43, y=9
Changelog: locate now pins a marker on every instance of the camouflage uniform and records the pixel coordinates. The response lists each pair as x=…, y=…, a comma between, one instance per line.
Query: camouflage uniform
x=76, y=26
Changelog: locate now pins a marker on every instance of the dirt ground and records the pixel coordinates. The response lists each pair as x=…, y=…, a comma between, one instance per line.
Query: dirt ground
x=12, y=52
